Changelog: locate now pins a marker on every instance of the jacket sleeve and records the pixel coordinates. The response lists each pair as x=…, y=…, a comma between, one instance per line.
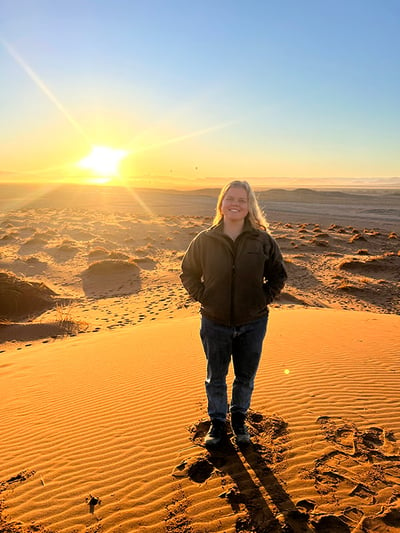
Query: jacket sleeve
x=274, y=273
x=191, y=270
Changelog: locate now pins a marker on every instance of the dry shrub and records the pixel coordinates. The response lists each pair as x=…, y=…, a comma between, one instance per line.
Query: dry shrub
x=346, y=286
x=357, y=237
x=319, y=242
x=66, y=321
x=362, y=251
x=21, y=298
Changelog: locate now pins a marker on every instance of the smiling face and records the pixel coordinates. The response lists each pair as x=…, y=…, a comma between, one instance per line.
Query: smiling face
x=235, y=204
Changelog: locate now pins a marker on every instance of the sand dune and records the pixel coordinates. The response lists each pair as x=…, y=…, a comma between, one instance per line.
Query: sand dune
x=101, y=370
x=103, y=433
x=327, y=266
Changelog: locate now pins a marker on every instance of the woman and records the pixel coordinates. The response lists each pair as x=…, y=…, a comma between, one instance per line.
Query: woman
x=234, y=269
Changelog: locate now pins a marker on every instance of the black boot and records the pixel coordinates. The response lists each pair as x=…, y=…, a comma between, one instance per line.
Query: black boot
x=216, y=433
x=239, y=429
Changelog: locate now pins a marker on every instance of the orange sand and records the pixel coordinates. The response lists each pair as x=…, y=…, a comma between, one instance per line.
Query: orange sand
x=102, y=432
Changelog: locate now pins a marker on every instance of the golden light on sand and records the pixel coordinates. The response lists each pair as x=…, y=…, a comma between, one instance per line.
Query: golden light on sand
x=103, y=162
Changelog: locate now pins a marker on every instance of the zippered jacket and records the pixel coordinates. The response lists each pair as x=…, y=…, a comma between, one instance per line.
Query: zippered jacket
x=233, y=281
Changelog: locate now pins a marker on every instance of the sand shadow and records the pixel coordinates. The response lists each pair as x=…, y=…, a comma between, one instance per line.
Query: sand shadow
x=20, y=298
x=261, y=509
x=294, y=518
x=29, y=332
x=110, y=287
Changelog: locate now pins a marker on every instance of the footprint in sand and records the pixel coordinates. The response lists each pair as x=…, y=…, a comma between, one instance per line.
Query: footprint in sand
x=362, y=474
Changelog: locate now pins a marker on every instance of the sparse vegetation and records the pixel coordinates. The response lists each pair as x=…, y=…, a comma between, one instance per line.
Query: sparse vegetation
x=357, y=237
x=67, y=323
x=22, y=298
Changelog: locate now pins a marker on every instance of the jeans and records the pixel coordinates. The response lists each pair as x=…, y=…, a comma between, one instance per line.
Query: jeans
x=241, y=343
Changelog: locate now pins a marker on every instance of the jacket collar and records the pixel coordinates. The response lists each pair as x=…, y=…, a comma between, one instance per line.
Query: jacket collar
x=219, y=228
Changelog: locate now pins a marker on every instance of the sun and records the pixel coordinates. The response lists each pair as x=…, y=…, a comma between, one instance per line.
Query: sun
x=103, y=162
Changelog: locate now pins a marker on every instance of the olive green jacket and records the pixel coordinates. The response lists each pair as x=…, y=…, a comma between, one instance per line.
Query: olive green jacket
x=233, y=281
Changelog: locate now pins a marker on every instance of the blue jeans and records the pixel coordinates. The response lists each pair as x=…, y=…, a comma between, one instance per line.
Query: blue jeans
x=241, y=343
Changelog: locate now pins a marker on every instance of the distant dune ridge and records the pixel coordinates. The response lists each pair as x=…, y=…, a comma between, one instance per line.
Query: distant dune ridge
x=103, y=408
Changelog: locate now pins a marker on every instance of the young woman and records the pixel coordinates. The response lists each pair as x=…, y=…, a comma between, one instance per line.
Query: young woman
x=234, y=269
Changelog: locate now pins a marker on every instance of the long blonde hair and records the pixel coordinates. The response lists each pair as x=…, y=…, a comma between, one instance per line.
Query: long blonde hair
x=255, y=216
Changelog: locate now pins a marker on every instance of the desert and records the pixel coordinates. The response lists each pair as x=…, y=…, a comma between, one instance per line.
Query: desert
x=102, y=374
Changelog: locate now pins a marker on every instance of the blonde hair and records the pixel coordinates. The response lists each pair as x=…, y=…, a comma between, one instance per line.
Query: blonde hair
x=255, y=216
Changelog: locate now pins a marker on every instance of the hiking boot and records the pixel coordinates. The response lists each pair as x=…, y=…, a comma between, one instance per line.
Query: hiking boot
x=216, y=433
x=239, y=429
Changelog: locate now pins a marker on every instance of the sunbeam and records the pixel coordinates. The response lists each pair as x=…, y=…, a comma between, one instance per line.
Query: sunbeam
x=184, y=137
x=44, y=88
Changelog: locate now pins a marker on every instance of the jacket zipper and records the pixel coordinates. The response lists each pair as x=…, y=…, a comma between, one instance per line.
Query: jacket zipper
x=234, y=254
x=233, y=249
x=233, y=289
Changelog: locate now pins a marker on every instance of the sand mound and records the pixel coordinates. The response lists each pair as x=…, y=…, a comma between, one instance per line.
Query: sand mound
x=98, y=253
x=20, y=298
x=66, y=247
x=111, y=277
x=387, y=267
x=146, y=262
x=34, y=242
x=7, y=238
x=111, y=266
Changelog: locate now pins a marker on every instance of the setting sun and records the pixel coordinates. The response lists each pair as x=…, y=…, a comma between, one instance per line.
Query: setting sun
x=103, y=161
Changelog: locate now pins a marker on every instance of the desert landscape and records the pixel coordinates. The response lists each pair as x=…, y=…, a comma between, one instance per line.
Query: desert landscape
x=102, y=373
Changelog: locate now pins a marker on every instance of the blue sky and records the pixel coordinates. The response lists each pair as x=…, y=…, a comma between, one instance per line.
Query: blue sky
x=263, y=89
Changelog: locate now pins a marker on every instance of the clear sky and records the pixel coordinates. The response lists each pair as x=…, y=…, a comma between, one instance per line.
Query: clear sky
x=194, y=92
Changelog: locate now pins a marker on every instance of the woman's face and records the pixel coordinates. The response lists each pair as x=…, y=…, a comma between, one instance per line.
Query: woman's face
x=235, y=205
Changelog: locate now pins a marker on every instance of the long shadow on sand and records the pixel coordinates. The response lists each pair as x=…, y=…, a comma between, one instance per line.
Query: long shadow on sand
x=263, y=497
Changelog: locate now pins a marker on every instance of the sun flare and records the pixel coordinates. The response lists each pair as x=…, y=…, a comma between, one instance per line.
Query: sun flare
x=103, y=162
